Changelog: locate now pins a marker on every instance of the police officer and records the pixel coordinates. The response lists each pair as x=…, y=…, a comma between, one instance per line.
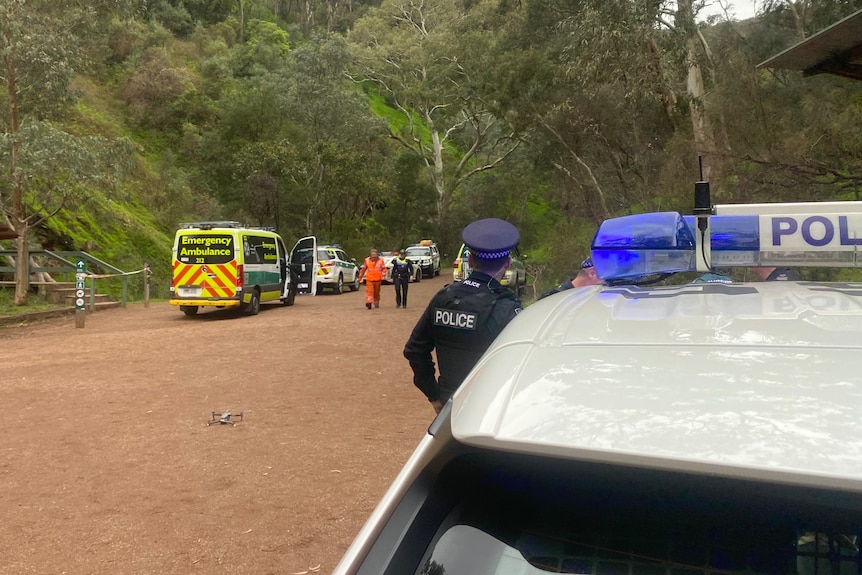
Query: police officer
x=774, y=274
x=464, y=318
x=402, y=271
x=586, y=277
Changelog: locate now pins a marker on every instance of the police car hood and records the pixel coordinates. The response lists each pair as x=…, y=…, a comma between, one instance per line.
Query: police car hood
x=757, y=381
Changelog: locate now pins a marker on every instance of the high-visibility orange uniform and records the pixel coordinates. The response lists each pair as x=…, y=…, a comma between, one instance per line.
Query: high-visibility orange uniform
x=374, y=272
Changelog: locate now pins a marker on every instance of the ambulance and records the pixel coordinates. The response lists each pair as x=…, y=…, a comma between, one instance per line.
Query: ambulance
x=225, y=264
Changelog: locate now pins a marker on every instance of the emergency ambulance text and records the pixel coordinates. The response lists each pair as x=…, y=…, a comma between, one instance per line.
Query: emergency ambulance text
x=207, y=241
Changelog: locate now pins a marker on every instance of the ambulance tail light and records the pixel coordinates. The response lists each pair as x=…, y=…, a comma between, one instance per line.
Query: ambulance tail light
x=239, y=276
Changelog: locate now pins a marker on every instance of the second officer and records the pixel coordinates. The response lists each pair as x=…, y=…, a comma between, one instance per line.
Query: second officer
x=402, y=271
x=464, y=318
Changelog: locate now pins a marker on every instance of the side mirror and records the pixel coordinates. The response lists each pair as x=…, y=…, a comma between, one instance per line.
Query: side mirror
x=353, y=260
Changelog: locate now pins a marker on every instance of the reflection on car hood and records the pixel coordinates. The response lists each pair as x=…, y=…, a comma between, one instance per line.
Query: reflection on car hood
x=750, y=380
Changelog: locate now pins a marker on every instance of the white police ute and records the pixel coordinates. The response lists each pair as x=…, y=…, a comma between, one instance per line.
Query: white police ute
x=700, y=428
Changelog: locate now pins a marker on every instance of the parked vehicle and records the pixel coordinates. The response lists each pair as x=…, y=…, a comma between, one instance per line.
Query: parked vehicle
x=225, y=264
x=697, y=428
x=388, y=258
x=325, y=266
x=426, y=257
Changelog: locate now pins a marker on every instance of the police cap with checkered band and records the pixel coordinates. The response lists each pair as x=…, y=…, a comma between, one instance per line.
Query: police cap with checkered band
x=491, y=238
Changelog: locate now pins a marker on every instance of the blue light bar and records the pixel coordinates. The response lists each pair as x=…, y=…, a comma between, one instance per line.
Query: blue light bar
x=642, y=245
x=664, y=242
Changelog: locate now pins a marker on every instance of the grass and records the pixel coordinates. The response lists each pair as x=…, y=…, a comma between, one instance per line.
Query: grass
x=34, y=303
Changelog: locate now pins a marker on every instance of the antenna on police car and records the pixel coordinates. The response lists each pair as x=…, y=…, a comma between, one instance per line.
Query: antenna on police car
x=702, y=211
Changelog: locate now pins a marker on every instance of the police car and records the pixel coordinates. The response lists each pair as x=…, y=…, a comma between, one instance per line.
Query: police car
x=426, y=257
x=697, y=428
x=389, y=259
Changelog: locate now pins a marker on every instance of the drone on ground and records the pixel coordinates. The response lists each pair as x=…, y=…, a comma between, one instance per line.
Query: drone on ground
x=224, y=418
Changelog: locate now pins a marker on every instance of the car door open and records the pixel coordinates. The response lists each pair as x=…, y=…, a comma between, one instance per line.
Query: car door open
x=304, y=263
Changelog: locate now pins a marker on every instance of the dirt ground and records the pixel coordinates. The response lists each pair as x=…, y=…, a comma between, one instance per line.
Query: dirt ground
x=107, y=464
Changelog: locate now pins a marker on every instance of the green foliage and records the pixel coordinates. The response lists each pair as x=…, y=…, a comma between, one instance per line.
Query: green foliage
x=547, y=113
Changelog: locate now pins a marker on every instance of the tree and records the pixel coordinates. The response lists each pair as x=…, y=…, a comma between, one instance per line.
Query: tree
x=47, y=167
x=430, y=61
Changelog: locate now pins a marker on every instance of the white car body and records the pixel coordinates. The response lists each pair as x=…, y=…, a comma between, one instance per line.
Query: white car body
x=426, y=257
x=333, y=270
x=390, y=257
x=609, y=426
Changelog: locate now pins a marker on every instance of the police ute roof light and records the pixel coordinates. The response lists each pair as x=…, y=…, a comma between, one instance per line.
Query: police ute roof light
x=825, y=234
x=643, y=244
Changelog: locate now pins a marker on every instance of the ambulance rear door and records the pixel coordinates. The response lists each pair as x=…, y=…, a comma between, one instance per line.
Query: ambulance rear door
x=304, y=263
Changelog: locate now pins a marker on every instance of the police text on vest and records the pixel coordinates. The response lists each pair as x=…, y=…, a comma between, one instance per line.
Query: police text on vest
x=456, y=319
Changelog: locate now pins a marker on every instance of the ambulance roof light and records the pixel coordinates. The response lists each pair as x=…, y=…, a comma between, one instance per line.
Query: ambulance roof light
x=208, y=225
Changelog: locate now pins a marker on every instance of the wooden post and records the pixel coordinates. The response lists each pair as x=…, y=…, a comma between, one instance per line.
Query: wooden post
x=80, y=290
x=146, y=285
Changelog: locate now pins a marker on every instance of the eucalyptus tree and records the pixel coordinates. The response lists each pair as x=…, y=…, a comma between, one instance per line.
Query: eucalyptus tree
x=46, y=168
x=342, y=141
x=432, y=61
x=294, y=144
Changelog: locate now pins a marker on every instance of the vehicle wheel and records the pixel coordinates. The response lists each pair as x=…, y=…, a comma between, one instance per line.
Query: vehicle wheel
x=291, y=296
x=189, y=310
x=437, y=272
x=253, y=307
x=339, y=287
x=417, y=276
x=355, y=285
x=318, y=289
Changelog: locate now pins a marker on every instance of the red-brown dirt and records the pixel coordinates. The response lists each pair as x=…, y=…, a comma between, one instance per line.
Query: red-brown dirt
x=107, y=464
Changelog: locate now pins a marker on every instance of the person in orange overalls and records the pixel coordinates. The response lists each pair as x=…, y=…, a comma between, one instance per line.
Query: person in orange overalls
x=373, y=272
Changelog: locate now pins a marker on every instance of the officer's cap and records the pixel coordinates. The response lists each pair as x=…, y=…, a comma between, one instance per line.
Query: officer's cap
x=491, y=238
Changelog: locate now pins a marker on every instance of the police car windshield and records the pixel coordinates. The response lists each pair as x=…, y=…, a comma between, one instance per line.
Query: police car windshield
x=418, y=251
x=522, y=515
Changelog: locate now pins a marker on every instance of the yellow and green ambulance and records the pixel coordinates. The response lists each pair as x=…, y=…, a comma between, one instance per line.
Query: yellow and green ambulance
x=225, y=264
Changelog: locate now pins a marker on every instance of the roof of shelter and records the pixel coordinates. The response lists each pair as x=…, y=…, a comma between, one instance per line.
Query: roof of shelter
x=834, y=50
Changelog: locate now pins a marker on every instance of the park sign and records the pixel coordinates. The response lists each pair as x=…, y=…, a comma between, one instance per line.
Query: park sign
x=80, y=290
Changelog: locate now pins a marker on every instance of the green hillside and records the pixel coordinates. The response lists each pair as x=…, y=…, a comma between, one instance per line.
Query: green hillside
x=126, y=118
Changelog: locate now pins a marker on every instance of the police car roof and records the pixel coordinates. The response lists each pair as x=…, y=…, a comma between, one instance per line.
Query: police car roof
x=758, y=381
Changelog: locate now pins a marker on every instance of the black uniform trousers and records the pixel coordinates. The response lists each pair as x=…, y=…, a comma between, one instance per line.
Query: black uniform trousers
x=401, y=284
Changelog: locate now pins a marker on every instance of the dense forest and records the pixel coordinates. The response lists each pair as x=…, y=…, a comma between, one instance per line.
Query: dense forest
x=381, y=122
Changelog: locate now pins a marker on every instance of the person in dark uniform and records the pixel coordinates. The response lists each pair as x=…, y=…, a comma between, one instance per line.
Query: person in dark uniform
x=778, y=274
x=402, y=271
x=586, y=277
x=464, y=317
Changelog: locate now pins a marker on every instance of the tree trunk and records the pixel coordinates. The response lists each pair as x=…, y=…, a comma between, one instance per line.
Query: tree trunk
x=241, y=17
x=18, y=218
x=443, y=195
x=704, y=136
x=666, y=93
x=22, y=268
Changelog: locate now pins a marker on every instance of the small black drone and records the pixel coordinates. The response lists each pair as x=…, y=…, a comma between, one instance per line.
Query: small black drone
x=224, y=418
